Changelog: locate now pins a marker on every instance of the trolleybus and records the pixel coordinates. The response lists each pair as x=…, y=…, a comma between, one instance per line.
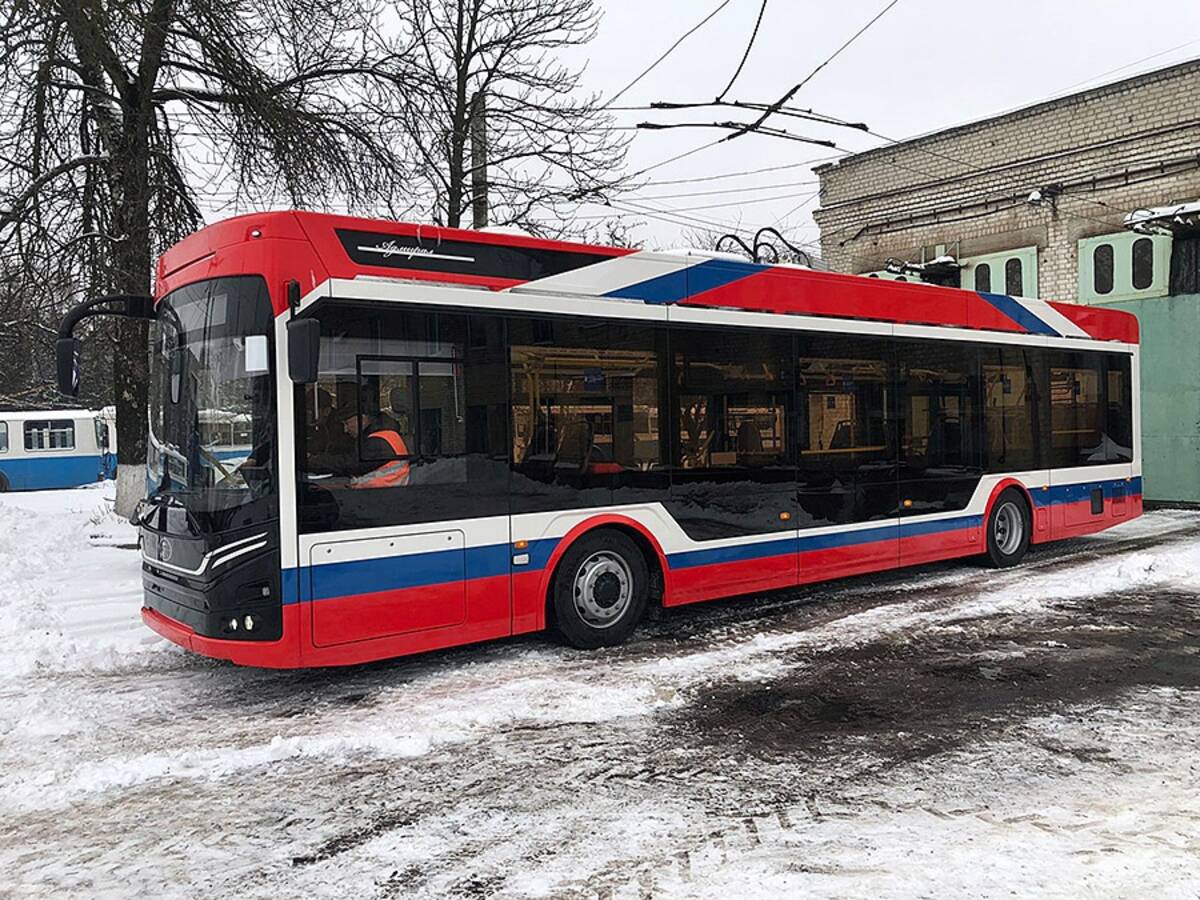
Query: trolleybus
x=446, y=436
x=44, y=449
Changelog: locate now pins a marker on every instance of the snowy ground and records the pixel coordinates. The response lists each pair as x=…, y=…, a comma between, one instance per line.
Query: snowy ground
x=954, y=731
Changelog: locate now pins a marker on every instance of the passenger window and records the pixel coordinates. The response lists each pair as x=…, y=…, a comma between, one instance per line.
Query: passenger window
x=1076, y=410
x=1014, y=278
x=585, y=412
x=734, y=470
x=939, y=395
x=1102, y=269
x=983, y=278
x=1118, y=420
x=1143, y=263
x=383, y=433
x=55, y=434
x=846, y=434
x=1012, y=392
x=3, y=437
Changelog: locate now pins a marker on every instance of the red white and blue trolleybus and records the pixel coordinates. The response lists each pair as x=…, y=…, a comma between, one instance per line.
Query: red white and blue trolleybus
x=447, y=436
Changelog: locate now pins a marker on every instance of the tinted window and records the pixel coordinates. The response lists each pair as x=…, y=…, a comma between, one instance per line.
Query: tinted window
x=1102, y=269
x=407, y=422
x=585, y=412
x=939, y=399
x=1014, y=284
x=1013, y=394
x=1118, y=422
x=1143, y=263
x=845, y=437
x=55, y=434
x=1076, y=409
x=733, y=459
x=983, y=278
x=3, y=437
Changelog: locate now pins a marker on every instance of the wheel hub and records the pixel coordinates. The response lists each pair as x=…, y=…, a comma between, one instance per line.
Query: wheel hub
x=1009, y=528
x=602, y=589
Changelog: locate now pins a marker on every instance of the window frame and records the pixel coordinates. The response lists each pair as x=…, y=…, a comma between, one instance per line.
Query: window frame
x=50, y=429
x=998, y=262
x=4, y=431
x=1123, y=288
x=664, y=341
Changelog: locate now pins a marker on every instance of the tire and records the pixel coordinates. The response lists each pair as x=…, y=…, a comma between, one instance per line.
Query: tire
x=600, y=590
x=1009, y=527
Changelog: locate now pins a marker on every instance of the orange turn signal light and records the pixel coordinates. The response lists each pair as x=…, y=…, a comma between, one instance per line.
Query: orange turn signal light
x=785, y=516
x=521, y=545
x=908, y=504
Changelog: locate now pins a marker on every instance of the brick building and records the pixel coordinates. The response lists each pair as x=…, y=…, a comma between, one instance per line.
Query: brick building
x=1033, y=202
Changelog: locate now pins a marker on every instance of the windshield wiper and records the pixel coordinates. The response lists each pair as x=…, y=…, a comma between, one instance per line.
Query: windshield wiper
x=170, y=500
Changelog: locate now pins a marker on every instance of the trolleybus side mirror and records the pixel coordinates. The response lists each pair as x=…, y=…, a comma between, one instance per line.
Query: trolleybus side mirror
x=138, y=307
x=67, y=358
x=304, y=350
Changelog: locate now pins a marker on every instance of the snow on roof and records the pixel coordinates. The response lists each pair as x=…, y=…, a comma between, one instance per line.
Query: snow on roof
x=1165, y=218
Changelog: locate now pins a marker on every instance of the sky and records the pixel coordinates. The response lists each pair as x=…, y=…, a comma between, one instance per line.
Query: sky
x=924, y=66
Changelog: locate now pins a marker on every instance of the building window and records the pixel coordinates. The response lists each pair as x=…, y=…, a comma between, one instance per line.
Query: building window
x=1143, y=263
x=3, y=437
x=1124, y=266
x=1013, y=278
x=983, y=278
x=1185, y=264
x=1102, y=269
x=1014, y=272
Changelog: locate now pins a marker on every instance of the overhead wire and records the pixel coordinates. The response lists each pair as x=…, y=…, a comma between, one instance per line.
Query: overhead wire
x=745, y=56
x=768, y=110
x=650, y=68
x=782, y=101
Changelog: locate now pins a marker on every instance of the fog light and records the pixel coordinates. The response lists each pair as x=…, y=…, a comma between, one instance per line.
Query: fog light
x=249, y=623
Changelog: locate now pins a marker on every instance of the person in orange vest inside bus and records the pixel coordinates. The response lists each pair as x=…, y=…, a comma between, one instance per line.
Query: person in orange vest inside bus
x=380, y=454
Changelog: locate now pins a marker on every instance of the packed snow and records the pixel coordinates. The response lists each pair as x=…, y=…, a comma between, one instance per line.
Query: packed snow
x=944, y=731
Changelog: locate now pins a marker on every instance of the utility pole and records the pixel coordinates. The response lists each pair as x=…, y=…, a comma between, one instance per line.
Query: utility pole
x=479, y=174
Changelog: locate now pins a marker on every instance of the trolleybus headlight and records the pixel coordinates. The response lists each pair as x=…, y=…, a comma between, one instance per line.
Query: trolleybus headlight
x=233, y=624
x=249, y=623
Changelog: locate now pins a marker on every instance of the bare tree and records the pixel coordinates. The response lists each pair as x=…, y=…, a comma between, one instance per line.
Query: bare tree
x=499, y=126
x=118, y=118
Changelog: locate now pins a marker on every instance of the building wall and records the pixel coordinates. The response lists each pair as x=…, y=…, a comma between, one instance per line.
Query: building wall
x=1111, y=149
x=1170, y=329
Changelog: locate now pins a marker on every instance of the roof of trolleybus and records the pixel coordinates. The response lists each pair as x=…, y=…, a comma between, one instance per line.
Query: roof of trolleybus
x=328, y=252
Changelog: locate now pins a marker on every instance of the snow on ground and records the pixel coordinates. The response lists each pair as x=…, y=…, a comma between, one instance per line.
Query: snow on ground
x=945, y=731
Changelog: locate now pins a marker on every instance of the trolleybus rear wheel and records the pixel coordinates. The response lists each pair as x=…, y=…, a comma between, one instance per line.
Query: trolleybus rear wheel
x=1008, y=529
x=599, y=590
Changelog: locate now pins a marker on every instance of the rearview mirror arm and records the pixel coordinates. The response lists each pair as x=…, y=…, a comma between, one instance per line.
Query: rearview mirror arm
x=130, y=306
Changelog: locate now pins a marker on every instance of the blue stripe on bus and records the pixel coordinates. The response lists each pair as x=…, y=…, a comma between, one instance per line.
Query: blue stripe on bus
x=440, y=566
x=738, y=553
x=938, y=526
x=35, y=473
x=1076, y=493
x=1019, y=314
x=392, y=573
x=676, y=286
